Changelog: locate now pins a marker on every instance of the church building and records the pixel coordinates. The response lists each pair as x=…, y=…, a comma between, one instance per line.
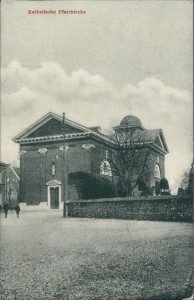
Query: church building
x=49, y=152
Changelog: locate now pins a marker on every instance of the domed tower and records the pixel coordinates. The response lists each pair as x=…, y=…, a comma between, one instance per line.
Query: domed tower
x=144, y=152
x=128, y=123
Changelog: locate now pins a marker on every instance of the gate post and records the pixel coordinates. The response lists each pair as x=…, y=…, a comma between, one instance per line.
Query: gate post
x=65, y=209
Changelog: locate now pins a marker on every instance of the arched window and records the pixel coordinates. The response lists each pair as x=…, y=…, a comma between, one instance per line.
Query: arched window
x=157, y=171
x=105, y=168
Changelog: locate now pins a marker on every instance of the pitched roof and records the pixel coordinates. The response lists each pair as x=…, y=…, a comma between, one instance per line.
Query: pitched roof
x=73, y=130
x=153, y=136
x=17, y=170
x=42, y=121
x=14, y=170
x=49, y=128
x=150, y=135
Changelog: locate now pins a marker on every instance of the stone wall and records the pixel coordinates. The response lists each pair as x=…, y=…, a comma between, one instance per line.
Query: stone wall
x=161, y=208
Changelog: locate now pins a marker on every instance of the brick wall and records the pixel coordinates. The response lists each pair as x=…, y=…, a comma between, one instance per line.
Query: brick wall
x=35, y=166
x=98, y=154
x=30, y=179
x=163, y=208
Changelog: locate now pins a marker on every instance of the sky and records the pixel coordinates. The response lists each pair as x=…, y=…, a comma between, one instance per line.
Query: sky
x=120, y=58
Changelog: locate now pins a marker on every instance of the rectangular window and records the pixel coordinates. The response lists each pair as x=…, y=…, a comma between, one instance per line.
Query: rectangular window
x=1, y=177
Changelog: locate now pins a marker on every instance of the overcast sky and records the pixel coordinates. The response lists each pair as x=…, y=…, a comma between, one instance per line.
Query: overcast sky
x=119, y=57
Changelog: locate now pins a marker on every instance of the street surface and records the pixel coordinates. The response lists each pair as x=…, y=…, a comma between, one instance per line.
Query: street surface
x=44, y=256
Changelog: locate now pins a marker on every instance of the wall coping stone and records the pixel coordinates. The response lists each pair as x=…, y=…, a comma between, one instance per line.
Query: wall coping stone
x=129, y=199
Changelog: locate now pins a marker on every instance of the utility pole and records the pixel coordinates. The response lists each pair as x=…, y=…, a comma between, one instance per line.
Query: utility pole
x=64, y=189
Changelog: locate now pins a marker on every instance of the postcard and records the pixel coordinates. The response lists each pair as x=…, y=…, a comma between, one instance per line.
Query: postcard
x=96, y=171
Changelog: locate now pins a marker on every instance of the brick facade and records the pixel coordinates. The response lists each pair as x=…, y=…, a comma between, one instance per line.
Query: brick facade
x=36, y=165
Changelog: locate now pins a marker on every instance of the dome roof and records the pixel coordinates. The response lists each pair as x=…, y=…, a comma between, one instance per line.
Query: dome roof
x=130, y=121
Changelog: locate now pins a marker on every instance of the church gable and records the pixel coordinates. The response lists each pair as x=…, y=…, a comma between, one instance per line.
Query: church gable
x=53, y=127
x=160, y=142
x=50, y=125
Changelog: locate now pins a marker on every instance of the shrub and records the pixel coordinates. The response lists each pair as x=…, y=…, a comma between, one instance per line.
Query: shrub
x=164, y=184
x=92, y=186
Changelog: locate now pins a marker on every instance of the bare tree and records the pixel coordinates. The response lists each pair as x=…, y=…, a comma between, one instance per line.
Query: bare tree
x=130, y=160
x=187, y=180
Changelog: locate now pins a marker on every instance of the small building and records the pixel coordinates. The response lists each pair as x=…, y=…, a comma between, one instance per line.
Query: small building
x=13, y=185
x=44, y=162
x=3, y=181
x=9, y=184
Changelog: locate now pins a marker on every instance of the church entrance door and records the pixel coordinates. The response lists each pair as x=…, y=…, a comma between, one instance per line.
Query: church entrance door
x=54, y=196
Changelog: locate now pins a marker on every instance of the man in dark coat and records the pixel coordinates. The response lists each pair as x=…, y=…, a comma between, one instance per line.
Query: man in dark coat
x=17, y=209
x=5, y=208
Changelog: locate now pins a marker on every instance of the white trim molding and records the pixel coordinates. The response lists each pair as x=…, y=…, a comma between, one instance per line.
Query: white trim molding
x=88, y=146
x=53, y=184
x=42, y=150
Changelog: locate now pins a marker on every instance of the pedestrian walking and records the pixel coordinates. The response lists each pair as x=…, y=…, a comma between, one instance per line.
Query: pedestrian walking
x=0, y=208
x=17, y=209
x=5, y=208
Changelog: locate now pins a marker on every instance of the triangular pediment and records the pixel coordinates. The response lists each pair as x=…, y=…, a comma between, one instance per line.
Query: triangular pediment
x=50, y=125
x=160, y=142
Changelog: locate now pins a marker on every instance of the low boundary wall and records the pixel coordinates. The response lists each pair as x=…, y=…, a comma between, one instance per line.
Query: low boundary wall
x=160, y=208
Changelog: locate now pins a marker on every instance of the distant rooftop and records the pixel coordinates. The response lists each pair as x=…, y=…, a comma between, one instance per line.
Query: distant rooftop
x=17, y=170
